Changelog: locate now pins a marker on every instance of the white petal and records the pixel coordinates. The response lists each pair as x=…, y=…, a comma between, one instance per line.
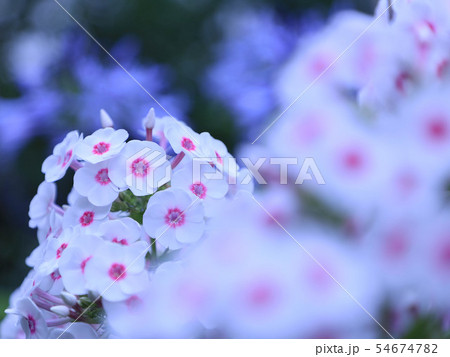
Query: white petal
x=102, y=196
x=190, y=232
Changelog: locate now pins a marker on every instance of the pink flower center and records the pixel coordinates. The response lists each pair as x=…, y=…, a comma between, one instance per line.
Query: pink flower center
x=309, y=130
x=102, y=177
x=117, y=271
x=31, y=324
x=198, y=189
x=101, y=148
x=396, y=245
x=55, y=275
x=87, y=218
x=442, y=68
x=219, y=158
x=280, y=216
x=406, y=183
x=319, y=64
x=133, y=302
x=425, y=29
x=120, y=241
x=437, y=129
x=187, y=144
x=431, y=26
x=140, y=167
x=83, y=264
x=67, y=158
x=60, y=250
x=319, y=280
x=261, y=296
x=443, y=256
x=401, y=81
x=353, y=161
x=174, y=217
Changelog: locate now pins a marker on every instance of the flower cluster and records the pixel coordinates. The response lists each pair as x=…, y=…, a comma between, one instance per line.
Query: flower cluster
x=131, y=208
x=374, y=116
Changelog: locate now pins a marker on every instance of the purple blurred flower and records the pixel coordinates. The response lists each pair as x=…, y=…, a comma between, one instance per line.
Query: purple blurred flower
x=62, y=81
x=255, y=45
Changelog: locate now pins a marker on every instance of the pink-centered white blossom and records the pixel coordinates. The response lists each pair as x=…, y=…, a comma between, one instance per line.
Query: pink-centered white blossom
x=54, y=249
x=93, y=182
x=72, y=265
x=218, y=154
x=174, y=218
x=31, y=319
x=85, y=215
x=123, y=231
x=53, y=226
x=102, y=145
x=116, y=272
x=183, y=139
x=42, y=204
x=203, y=182
x=56, y=165
x=141, y=166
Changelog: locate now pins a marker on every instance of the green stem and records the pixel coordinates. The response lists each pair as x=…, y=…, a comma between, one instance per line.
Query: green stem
x=153, y=244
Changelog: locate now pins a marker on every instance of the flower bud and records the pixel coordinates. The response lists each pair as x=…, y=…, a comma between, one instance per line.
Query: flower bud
x=105, y=119
x=12, y=311
x=149, y=121
x=68, y=298
x=61, y=310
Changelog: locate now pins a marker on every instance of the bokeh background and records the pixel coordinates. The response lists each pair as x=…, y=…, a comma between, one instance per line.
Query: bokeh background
x=208, y=62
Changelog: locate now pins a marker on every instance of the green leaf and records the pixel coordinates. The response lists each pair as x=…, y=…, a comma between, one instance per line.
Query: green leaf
x=425, y=327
